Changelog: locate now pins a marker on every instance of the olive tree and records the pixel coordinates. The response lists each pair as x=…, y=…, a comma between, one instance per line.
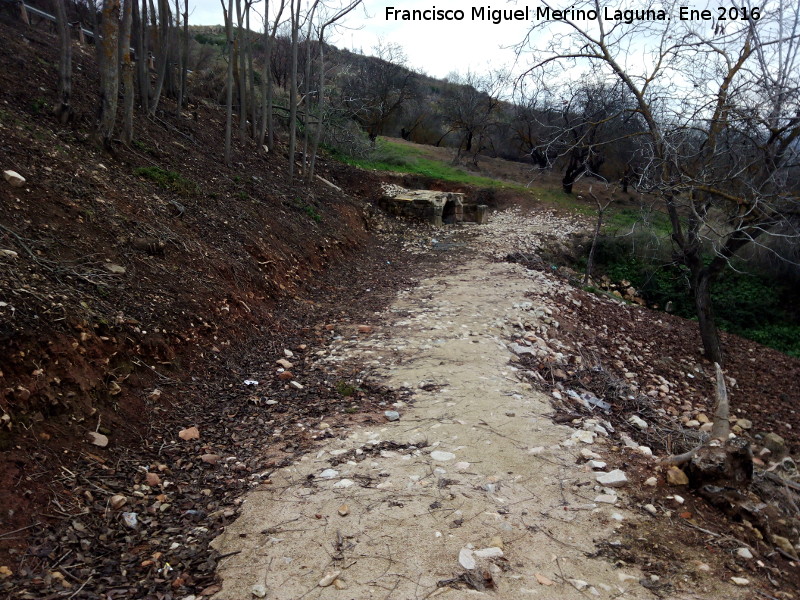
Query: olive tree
x=720, y=102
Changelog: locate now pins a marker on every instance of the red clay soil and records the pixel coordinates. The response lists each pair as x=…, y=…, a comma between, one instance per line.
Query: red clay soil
x=122, y=284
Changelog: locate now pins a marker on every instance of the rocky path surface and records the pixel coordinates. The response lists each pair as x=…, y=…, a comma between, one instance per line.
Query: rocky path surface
x=469, y=489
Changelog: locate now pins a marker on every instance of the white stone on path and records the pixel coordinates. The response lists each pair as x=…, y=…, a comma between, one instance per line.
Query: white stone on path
x=491, y=552
x=344, y=483
x=442, y=456
x=466, y=559
x=615, y=478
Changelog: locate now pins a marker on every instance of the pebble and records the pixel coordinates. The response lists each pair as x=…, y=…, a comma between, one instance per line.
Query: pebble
x=344, y=510
x=740, y=581
x=152, y=479
x=744, y=553
x=466, y=559
x=651, y=481
x=329, y=473
x=488, y=553
x=344, y=483
x=623, y=577
x=329, y=578
x=606, y=499
x=296, y=385
x=589, y=455
x=190, y=433
x=578, y=584
x=543, y=580
x=676, y=477
x=259, y=591
x=210, y=459
x=392, y=415
x=442, y=456
x=117, y=501
x=638, y=422
x=284, y=363
x=288, y=353
x=130, y=519
x=98, y=439
x=615, y=478
x=651, y=509
x=597, y=464
x=587, y=437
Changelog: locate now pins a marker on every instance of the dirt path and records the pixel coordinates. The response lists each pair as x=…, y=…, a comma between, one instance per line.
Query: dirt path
x=473, y=485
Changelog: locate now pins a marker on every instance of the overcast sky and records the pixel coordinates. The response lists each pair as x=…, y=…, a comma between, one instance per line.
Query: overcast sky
x=437, y=48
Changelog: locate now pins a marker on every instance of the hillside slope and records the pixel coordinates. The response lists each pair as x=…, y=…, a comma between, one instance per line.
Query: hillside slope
x=122, y=274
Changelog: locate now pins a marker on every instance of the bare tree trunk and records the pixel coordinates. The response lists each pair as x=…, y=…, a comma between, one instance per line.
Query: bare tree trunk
x=229, y=80
x=265, y=74
x=702, y=281
x=185, y=61
x=307, y=107
x=293, y=85
x=269, y=42
x=601, y=209
x=251, y=91
x=127, y=73
x=141, y=54
x=23, y=14
x=242, y=73
x=165, y=17
x=181, y=59
x=320, y=106
x=109, y=72
x=63, y=110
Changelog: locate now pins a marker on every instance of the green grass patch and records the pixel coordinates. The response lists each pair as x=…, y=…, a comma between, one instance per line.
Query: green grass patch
x=621, y=220
x=169, y=180
x=753, y=306
x=399, y=158
x=345, y=389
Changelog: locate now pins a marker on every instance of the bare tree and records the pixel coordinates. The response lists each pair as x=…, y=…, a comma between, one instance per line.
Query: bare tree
x=266, y=129
x=721, y=108
x=329, y=19
x=377, y=88
x=164, y=50
x=63, y=110
x=142, y=71
x=297, y=25
x=229, y=78
x=109, y=73
x=470, y=106
x=127, y=73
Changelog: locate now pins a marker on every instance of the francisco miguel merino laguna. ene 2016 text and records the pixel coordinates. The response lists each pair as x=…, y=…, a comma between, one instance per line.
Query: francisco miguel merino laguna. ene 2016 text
x=545, y=13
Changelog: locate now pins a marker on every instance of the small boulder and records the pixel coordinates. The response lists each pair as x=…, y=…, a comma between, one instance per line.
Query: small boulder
x=775, y=444
x=14, y=178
